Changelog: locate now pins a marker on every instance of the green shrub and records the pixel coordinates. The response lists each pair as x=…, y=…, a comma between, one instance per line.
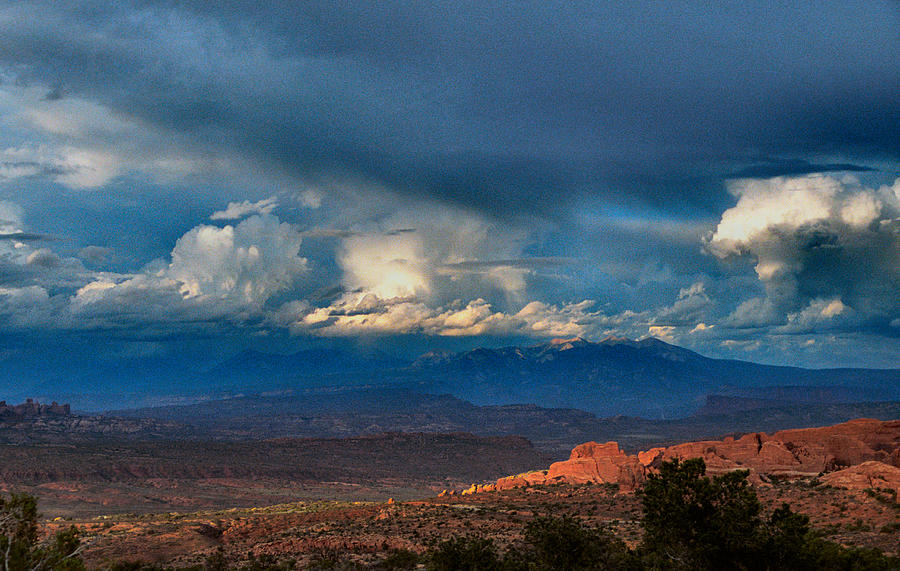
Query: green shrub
x=695, y=522
x=564, y=543
x=399, y=560
x=469, y=553
x=19, y=544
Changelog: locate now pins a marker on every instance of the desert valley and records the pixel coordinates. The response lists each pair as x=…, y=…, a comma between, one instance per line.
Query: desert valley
x=356, y=475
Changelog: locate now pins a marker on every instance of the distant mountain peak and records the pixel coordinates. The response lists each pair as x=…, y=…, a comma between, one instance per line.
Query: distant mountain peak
x=609, y=339
x=638, y=343
x=561, y=344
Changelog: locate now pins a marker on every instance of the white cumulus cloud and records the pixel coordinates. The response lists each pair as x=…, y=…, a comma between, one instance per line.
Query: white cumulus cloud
x=814, y=238
x=237, y=210
x=213, y=272
x=365, y=313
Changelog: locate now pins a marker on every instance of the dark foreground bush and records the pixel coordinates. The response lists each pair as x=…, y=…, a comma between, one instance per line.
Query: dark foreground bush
x=399, y=560
x=468, y=553
x=549, y=544
x=692, y=521
x=564, y=543
x=19, y=546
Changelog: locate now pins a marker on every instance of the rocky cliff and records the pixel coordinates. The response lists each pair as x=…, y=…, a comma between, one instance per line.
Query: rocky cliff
x=870, y=475
x=31, y=409
x=784, y=454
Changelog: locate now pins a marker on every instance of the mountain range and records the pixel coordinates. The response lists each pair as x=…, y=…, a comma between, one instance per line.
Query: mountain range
x=618, y=376
x=615, y=376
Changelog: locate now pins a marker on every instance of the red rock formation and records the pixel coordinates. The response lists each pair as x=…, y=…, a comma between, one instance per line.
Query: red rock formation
x=590, y=462
x=787, y=453
x=522, y=480
x=868, y=475
x=807, y=451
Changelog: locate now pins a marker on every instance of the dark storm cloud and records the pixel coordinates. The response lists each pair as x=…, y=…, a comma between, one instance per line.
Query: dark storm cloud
x=26, y=237
x=33, y=169
x=522, y=108
x=54, y=94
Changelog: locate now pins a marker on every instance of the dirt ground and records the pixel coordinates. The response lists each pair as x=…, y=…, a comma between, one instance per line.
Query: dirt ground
x=366, y=532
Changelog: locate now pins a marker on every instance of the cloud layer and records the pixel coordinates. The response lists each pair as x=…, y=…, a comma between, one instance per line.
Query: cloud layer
x=408, y=96
x=250, y=170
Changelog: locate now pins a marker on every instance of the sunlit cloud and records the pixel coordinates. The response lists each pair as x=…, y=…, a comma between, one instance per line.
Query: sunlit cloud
x=809, y=238
x=236, y=210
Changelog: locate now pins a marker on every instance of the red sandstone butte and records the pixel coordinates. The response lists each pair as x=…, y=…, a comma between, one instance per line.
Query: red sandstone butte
x=787, y=453
x=868, y=475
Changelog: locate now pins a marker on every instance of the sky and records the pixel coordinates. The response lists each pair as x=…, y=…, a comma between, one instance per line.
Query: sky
x=197, y=178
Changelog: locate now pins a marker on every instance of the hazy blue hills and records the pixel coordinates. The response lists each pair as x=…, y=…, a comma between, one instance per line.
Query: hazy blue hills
x=647, y=378
x=353, y=412
x=260, y=367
